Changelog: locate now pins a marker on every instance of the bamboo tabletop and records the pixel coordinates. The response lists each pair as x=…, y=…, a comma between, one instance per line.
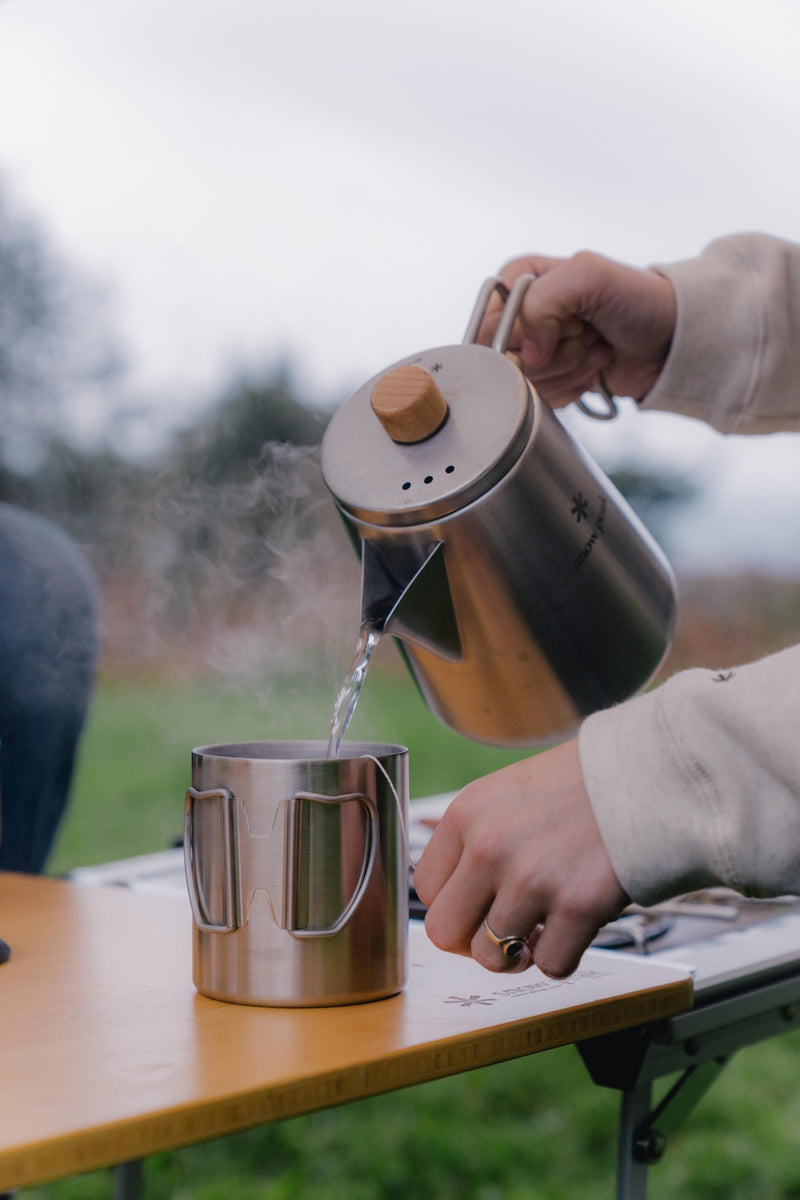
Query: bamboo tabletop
x=109, y=1053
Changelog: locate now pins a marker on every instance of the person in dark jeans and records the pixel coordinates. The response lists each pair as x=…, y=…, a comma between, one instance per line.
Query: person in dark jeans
x=48, y=651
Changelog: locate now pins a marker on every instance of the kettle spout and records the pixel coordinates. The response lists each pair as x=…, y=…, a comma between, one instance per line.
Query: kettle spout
x=405, y=592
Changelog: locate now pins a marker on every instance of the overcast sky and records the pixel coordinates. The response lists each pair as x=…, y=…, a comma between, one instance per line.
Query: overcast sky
x=332, y=182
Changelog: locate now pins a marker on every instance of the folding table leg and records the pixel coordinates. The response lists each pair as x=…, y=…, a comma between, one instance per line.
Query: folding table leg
x=128, y=1180
x=631, y=1174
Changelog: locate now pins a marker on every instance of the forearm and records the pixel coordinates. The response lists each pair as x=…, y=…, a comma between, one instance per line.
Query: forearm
x=735, y=356
x=698, y=782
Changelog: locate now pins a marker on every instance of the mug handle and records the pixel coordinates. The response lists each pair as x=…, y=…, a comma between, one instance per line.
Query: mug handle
x=292, y=846
x=231, y=918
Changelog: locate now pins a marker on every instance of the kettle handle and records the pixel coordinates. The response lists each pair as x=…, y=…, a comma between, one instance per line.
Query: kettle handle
x=513, y=299
x=603, y=390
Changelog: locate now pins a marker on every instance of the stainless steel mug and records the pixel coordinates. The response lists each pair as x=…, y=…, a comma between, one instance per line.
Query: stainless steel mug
x=297, y=870
x=522, y=590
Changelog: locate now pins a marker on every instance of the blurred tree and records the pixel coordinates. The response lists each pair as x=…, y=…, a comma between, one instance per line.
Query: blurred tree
x=56, y=351
x=228, y=442
x=241, y=489
x=654, y=495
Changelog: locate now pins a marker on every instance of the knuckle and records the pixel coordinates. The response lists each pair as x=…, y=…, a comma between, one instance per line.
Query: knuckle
x=442, y=937
x=587, y=260
x=579, y=912
x=524, y=890
x=481, y=856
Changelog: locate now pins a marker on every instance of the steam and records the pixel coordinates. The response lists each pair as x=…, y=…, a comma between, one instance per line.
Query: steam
x=246, y=580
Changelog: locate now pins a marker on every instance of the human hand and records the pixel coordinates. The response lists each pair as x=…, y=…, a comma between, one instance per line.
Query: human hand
x=520, y=849
x=583, y=315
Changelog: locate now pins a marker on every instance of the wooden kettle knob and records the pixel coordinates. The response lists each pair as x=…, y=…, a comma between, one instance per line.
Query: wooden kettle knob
x=408, y=403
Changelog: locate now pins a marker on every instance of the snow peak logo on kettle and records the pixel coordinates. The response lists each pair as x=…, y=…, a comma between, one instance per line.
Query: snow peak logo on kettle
x=580, y=511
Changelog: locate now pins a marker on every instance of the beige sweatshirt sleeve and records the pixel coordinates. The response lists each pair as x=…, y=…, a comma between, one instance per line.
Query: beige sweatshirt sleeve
x=735, y=356
x=698, y=782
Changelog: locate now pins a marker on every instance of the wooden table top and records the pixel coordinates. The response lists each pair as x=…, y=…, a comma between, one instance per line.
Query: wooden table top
x=109, y=1053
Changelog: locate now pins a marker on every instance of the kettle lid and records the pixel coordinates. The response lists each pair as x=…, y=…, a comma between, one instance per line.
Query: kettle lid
x=429, y=435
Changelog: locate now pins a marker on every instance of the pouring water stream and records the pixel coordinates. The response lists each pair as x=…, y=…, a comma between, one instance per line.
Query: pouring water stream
x=350, y=690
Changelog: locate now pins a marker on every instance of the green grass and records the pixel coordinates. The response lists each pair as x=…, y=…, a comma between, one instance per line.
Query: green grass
x=533, y=1129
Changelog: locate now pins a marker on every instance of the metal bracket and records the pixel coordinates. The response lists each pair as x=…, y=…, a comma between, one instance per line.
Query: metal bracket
x=651, y=1135
x=644, y=1131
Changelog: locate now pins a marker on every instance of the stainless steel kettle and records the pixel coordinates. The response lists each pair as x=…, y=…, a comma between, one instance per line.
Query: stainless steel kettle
x=522, y=590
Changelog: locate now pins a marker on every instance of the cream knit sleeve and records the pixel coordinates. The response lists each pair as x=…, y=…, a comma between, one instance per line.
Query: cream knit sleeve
x=735, y=356
x=698, y=782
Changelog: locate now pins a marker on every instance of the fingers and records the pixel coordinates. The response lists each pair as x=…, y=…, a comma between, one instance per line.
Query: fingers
x=562, y=943
x=511, y=944
x=457, y=882
x=553, y=345
x=572, y=369
x=584, y=314
x=504, y=947
x=439, y=861
x=554, y=942
x=553, y=307
x=457, y=892
x=508, y=940
x=516, y=874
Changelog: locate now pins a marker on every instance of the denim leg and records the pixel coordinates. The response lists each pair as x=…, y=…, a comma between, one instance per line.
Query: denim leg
x=48, y=649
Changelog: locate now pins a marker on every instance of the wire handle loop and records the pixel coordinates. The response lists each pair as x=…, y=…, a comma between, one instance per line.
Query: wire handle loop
x=603, y=390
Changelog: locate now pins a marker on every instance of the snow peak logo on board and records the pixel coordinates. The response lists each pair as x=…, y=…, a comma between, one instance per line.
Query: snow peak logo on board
x=526, y=989
x=580, y=511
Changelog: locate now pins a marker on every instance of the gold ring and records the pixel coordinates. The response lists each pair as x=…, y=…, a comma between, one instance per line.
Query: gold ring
x=512, y=946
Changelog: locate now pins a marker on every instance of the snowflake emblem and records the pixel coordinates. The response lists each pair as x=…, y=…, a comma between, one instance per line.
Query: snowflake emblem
x=580, y=507
x=468, y=1001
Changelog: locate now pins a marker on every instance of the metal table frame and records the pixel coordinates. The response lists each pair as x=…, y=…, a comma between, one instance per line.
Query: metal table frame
x=696, y=1044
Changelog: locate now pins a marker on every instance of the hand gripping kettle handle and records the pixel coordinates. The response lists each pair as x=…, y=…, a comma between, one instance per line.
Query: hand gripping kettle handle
x=293, y=848
x=513, y=299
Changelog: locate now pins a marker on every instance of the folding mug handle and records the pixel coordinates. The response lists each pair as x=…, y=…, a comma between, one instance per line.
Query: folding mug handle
x=229, y=865
x=292, y=850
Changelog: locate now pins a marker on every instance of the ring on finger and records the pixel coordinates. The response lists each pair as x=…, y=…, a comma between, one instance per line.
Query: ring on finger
x=512, y=946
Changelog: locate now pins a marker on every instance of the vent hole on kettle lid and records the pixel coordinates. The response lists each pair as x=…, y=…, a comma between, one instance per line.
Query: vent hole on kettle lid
x=449, y=470
x=428, y=479
x=406, y=486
